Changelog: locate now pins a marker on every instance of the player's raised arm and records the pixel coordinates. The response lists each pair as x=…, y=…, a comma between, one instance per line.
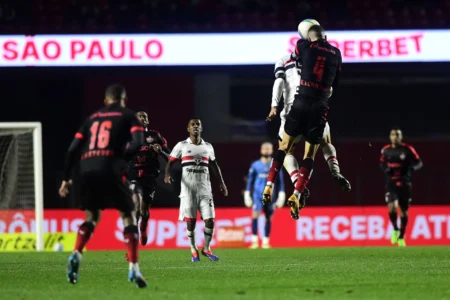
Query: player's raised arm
x=216, y=170
x=74, y=148
x=174, y=156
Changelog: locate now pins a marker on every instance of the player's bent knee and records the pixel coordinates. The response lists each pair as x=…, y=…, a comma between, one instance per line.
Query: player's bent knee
x=93, y=216
x=209, y=223
x=190, y=226
x=128, y=218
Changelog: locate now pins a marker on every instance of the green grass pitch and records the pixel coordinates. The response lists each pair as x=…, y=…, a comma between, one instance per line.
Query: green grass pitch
x=306, y=273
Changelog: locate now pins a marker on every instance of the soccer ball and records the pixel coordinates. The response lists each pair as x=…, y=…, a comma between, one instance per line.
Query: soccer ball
x=304, y=27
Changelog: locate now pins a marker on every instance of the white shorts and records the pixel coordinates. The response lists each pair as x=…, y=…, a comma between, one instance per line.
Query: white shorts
x=326, y=131
x=189, y=205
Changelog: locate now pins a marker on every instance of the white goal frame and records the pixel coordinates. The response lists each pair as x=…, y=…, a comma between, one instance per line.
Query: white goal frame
x=38, y=175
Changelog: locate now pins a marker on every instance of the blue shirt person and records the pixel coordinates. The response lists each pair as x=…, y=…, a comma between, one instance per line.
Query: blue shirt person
x=257, y=178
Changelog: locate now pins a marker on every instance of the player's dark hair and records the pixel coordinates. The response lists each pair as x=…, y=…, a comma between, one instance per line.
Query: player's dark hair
x=194, y=118
x=115, y=92
x=395, y=128
x=318, y=30
x=141, y=109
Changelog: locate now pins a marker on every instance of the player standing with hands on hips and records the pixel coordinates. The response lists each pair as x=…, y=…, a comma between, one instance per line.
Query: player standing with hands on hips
x=320, y=68
x=197, y=158
x=257, y=179
x=398, y=160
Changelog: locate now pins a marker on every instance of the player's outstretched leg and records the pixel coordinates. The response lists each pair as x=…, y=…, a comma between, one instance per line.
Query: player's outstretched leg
x=84, y=234
x=130, y=236
x=209, y=232
x=329, y=153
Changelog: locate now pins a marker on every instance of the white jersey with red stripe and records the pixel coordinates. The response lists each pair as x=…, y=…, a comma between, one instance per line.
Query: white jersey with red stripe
x=195, y=159
x=286, y=68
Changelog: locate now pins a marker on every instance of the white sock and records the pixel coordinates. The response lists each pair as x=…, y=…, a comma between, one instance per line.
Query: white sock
x=191, y=236
x=255, y=239
x=209, y=232
x=266, y=240
x=291, y=166
x=135, y=267
x=329, y=153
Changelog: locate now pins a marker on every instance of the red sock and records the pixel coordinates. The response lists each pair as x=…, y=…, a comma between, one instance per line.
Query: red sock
x=84, y=234
x=275, y=167
x=130, y=236
x=304, y=174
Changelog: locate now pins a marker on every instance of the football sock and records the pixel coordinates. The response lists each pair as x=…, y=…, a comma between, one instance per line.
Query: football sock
x=209, y=232
x=267, y=228
x=84, y=234
x=393, y=218
x=403, y=223
x=191, y=236
x=130, y=236
x=275, y=167
x=304, y=174
x=255, y=226
x=329, y=153
x=291, y=166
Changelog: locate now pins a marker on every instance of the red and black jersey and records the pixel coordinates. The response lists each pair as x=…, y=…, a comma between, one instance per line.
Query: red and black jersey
x=321, y=65
x=145, y=162
x=102, y=139
x=399, y=162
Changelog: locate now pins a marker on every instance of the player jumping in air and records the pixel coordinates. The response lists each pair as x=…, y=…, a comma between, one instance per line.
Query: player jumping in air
x=320, y=66
x=102, y=141
x=398, y=160
x=287, y=78
x=143, y=170
x=197, y=157
x=257, y=178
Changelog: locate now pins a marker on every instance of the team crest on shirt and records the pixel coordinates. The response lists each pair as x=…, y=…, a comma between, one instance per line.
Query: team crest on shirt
x=198, y=159
x=149, y=140
x=402, y=156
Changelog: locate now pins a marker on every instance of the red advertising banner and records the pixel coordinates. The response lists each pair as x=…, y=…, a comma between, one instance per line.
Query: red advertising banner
x=317, y=227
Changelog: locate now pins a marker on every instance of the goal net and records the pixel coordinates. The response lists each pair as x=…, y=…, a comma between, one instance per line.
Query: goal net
x=21, y=184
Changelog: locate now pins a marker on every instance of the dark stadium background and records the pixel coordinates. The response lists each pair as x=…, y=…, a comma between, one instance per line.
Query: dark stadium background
x=372, y=98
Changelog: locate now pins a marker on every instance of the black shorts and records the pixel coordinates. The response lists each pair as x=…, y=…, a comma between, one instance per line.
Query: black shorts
x=399, y=191
x=145, y=187
x=100, y=191
x=307, y=117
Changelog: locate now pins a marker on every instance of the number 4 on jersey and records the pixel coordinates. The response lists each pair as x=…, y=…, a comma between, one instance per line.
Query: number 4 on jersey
x=318, y=67
x=100, y=133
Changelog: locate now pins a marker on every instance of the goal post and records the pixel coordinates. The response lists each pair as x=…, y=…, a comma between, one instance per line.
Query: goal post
x=21, y=171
